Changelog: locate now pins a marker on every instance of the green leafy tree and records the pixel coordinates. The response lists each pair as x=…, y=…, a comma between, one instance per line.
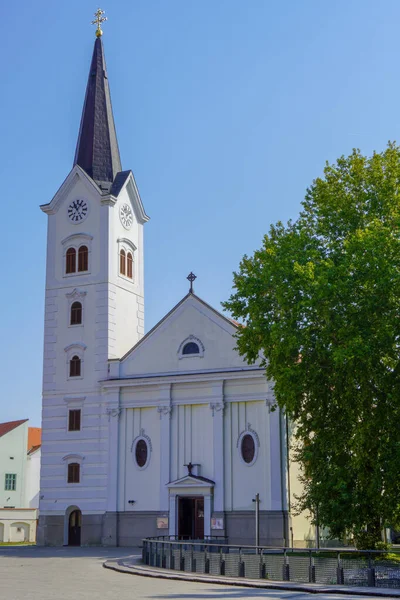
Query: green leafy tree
x=321, y=304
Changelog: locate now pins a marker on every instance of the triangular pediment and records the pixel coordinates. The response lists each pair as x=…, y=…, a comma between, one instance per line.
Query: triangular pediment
x=191, y=321
x=191, y=481
x=76, y=175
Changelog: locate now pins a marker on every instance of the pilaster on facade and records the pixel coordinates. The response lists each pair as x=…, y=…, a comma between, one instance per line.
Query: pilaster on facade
x=275, y=460
x=50, y=340
x=140, y=316
x=113, y=411
x=217, y=407
x=165, y=410
x=122, y=459
x=105, y=306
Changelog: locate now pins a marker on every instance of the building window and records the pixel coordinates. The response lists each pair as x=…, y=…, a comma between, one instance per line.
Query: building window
x=248, y=445
x=10, y=482
x=74, y=471
x=122, y=262
x=74, y=420
x=76, y=313
x=70, y=266
x=129, y=264
x=248, y=448
x=83, y=259
x=75, y=367
x=191, y=348
x=141, y=453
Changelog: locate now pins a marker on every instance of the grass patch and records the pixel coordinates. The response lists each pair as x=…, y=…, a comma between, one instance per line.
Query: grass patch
x=17, y=543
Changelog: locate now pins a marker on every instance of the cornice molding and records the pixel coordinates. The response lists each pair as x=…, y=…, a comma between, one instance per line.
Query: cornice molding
x=81, y=236
x=70, y=181
x=123, y=240
x=77, y=345
x=136, y=201
x=108, y=200
x=75, y=456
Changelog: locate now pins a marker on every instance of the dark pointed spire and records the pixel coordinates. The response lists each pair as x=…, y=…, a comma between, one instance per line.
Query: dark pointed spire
x=97, y=148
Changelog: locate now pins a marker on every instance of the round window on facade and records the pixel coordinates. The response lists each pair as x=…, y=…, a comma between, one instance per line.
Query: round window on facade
x=248, y=448
x=141, y=453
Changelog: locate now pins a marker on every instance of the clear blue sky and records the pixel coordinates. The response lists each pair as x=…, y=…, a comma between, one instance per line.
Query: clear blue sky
x=226, y=110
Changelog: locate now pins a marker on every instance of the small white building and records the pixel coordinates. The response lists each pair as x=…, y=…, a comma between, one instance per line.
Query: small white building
x=19, y=477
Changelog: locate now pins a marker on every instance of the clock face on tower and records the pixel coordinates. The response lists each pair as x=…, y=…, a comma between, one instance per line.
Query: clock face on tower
x=125, y=214
x=77, y=211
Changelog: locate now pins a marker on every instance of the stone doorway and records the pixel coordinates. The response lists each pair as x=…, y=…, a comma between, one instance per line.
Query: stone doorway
x=74, y=528
x=191, y=518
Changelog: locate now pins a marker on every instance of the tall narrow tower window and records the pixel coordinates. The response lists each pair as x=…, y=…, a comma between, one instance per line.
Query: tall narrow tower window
x=83, y=258
x=75, y=367
x=129, y=265
x=70, y=266
x=76, y=313
x=74, y=472
x=122, y=262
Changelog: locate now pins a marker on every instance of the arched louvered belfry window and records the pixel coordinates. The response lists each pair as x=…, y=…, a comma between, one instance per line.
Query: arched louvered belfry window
x=70, y=265
x=190, y=348
x=76, y=314
x=122, y=262
x=129, y=265
x=83, y=258
x=75, y=367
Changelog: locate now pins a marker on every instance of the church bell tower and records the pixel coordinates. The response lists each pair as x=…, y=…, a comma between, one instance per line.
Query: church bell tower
x=94, y=312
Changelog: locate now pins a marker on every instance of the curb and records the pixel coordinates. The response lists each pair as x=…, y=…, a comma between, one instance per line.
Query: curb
x=143, y=571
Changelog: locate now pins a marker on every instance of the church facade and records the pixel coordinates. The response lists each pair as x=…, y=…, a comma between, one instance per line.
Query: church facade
x=168, y=433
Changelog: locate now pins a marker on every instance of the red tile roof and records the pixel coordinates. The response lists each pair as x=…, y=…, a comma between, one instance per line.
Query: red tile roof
x=33, y=449
x=7, y=427
x=34, y=437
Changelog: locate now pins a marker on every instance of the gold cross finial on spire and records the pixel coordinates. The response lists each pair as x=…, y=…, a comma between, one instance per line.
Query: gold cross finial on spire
x=98, y=21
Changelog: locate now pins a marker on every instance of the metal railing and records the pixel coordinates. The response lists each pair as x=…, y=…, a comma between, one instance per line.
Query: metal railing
x=215, y=556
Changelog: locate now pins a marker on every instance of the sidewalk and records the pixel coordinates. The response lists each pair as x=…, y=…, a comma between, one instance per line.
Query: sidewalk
x=134, y=566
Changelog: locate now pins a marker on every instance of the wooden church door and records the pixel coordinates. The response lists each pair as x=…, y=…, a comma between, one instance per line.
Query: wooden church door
x=191, y=518
x=74, y=528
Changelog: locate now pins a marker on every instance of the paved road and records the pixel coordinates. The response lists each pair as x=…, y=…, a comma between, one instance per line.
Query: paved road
x=29, y=573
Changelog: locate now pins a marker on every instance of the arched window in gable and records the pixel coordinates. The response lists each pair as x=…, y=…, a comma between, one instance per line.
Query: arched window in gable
x=83, y=259
x=70, y=265
x=129, y=265
x=76, y=313
x=122, y=262
x=75, y=366
x=191, y=348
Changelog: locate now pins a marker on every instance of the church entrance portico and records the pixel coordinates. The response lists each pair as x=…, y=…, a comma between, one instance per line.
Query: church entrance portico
x=190, y=507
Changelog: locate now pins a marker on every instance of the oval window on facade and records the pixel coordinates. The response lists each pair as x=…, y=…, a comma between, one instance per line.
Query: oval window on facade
x=141, y=453
x=248, y=448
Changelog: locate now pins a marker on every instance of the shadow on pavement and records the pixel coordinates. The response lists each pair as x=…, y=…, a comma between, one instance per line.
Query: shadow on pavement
x=67, y=552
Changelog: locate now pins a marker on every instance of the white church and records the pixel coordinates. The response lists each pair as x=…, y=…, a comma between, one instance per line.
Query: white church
x=168, y=433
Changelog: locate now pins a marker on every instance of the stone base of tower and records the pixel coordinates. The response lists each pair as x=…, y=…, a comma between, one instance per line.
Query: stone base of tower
x=53, y=530
x=50, y=531
x=127, y=529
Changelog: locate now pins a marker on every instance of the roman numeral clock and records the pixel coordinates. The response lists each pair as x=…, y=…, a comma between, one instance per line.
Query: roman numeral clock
x=77, y=211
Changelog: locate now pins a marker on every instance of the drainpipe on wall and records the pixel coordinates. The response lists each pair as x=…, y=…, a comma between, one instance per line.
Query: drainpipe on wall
x=285, y=484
